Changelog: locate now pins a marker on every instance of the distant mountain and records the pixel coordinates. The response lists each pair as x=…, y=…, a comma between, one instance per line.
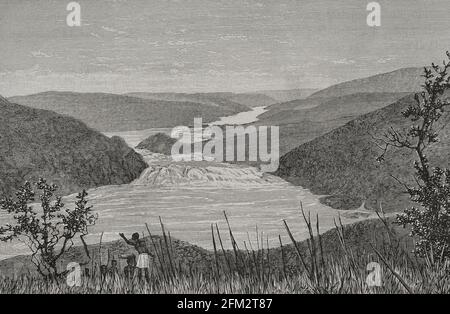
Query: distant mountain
x=39, y=143
x=288, y=95
x=328, y=109
x=110, y=112
x=342, y=163
x=303, y=120
x=399, y=81
x=219, y=98
x=253, y=99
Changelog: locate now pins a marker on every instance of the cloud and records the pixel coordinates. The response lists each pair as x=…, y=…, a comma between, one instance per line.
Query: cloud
x=104, y=59
x=37, y=79
x=113, y=30
x=385, y=60
x=233, y=37
x=344, y=61
x=40, y=54
x=178, y=64
x=184, y=42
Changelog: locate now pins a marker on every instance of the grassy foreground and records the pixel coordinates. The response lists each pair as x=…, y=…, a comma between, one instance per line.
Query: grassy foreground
x=334, y=262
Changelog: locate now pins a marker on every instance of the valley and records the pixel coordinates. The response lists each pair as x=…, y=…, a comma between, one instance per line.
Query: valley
x=190, y=196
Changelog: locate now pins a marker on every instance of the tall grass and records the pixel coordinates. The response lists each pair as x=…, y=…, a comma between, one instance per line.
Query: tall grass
x=296, y=267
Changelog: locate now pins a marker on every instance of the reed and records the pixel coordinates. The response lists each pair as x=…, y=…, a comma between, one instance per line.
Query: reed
x=296, y=267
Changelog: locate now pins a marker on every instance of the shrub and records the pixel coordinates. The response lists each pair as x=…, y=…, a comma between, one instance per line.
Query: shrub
x=49, y=230
x=430, y=220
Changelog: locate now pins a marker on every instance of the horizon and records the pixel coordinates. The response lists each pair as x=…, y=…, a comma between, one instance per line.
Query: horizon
x=129, y=93
x=244, y=46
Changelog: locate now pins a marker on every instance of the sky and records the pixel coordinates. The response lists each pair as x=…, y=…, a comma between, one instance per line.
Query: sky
x=212, y=45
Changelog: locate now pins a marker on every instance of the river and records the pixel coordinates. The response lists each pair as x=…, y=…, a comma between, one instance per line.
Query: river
x=190, y=196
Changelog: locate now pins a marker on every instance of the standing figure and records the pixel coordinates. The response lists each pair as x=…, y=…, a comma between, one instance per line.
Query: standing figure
x=131, y=266
x=143, y=261
x=114, y=269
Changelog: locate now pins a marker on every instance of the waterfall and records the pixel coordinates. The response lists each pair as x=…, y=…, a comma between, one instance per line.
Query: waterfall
x=207, y=174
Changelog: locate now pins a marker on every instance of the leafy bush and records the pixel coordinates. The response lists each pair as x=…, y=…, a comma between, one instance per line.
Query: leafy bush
x=48, y=231
x=430, y=220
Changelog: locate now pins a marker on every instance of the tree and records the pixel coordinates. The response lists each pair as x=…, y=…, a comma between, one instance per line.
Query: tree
x=48, y=231
x=430, y=220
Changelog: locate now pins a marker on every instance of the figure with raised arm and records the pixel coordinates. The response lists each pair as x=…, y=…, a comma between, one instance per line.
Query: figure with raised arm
x=143, y=261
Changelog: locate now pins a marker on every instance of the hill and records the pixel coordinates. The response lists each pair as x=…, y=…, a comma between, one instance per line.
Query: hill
x=342, y=163
x=39, y=143
x=303, y=120
x=219, y=98
x=398, y=81
x=160, y=143
x=253, y=99
x=110, y=112
x=289, y=94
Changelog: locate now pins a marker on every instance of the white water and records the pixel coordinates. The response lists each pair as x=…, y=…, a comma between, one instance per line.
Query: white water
x=191, y=196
